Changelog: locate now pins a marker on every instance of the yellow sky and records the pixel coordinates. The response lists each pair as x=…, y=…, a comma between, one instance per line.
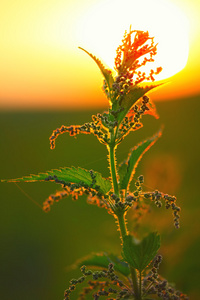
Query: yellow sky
x=42, y=67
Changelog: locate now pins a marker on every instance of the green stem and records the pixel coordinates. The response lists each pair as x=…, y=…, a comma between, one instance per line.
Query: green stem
x=122, y=225
x=135, y=284
x=121, y=215
x=111, y=150
x=140, y=286
x=123, y=231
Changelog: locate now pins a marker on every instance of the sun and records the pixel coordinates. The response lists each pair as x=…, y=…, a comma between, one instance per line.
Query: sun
x=101, y=28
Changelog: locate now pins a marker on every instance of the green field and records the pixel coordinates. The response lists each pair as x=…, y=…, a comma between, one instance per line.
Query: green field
x=38, y=249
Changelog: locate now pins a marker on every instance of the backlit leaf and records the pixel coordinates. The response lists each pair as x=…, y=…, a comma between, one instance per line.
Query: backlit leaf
x=106, y=73
x=69, y=175
x=140, y=253
x=127, y=168
x=134, y=94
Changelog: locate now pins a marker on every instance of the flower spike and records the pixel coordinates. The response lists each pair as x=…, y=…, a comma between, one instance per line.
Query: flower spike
x=129, y=53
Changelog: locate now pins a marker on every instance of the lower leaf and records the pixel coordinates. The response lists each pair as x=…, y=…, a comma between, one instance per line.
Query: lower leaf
x=140, y=253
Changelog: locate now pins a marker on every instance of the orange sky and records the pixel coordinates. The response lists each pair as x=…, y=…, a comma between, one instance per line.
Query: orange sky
x=41, y=66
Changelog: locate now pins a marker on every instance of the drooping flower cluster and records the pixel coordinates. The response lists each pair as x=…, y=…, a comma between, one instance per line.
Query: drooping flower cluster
x=103, y=283
x=153, y=284
x=96, y=127
x=95, y=196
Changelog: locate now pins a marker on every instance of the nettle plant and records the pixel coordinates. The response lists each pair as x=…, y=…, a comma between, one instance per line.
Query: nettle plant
x=134, y=275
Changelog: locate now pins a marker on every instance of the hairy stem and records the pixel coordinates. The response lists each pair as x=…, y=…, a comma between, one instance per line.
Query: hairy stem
x=121, y=215
x=140, y=286
x=124, y=232
x=122, y=225
x=111, y=149
x=135, y=284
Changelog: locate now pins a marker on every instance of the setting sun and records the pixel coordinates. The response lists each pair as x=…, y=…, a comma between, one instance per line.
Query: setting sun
x=41, y=63
x=166, y=23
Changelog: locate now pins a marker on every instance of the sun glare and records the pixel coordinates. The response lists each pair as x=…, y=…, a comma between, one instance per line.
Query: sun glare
x=39, y=44
x=100, y=32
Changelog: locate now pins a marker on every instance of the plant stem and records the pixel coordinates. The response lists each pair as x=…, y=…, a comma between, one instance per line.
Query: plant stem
x=140, y=285
x=135, y=283
x=121, y=215
x=122, y=225
x=123, y=231
x=111, y=150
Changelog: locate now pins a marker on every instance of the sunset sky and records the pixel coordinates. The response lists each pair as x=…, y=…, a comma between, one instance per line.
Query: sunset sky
x=41, y=66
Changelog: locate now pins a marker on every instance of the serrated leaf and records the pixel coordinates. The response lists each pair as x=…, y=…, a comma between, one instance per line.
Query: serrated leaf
x=140, y=253
x=72, y=175
x=102, y=260
x=134, y=94
x=127, y=168
x=106, y=73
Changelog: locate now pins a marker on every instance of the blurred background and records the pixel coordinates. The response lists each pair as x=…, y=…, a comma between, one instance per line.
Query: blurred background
x=47, y=82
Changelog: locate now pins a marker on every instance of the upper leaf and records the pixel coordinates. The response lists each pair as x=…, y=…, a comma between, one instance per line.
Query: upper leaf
x=140, y=253
x=102, y=260
x=69, y=175
x=106, y=73
x=134, y=93
x=127, y=168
